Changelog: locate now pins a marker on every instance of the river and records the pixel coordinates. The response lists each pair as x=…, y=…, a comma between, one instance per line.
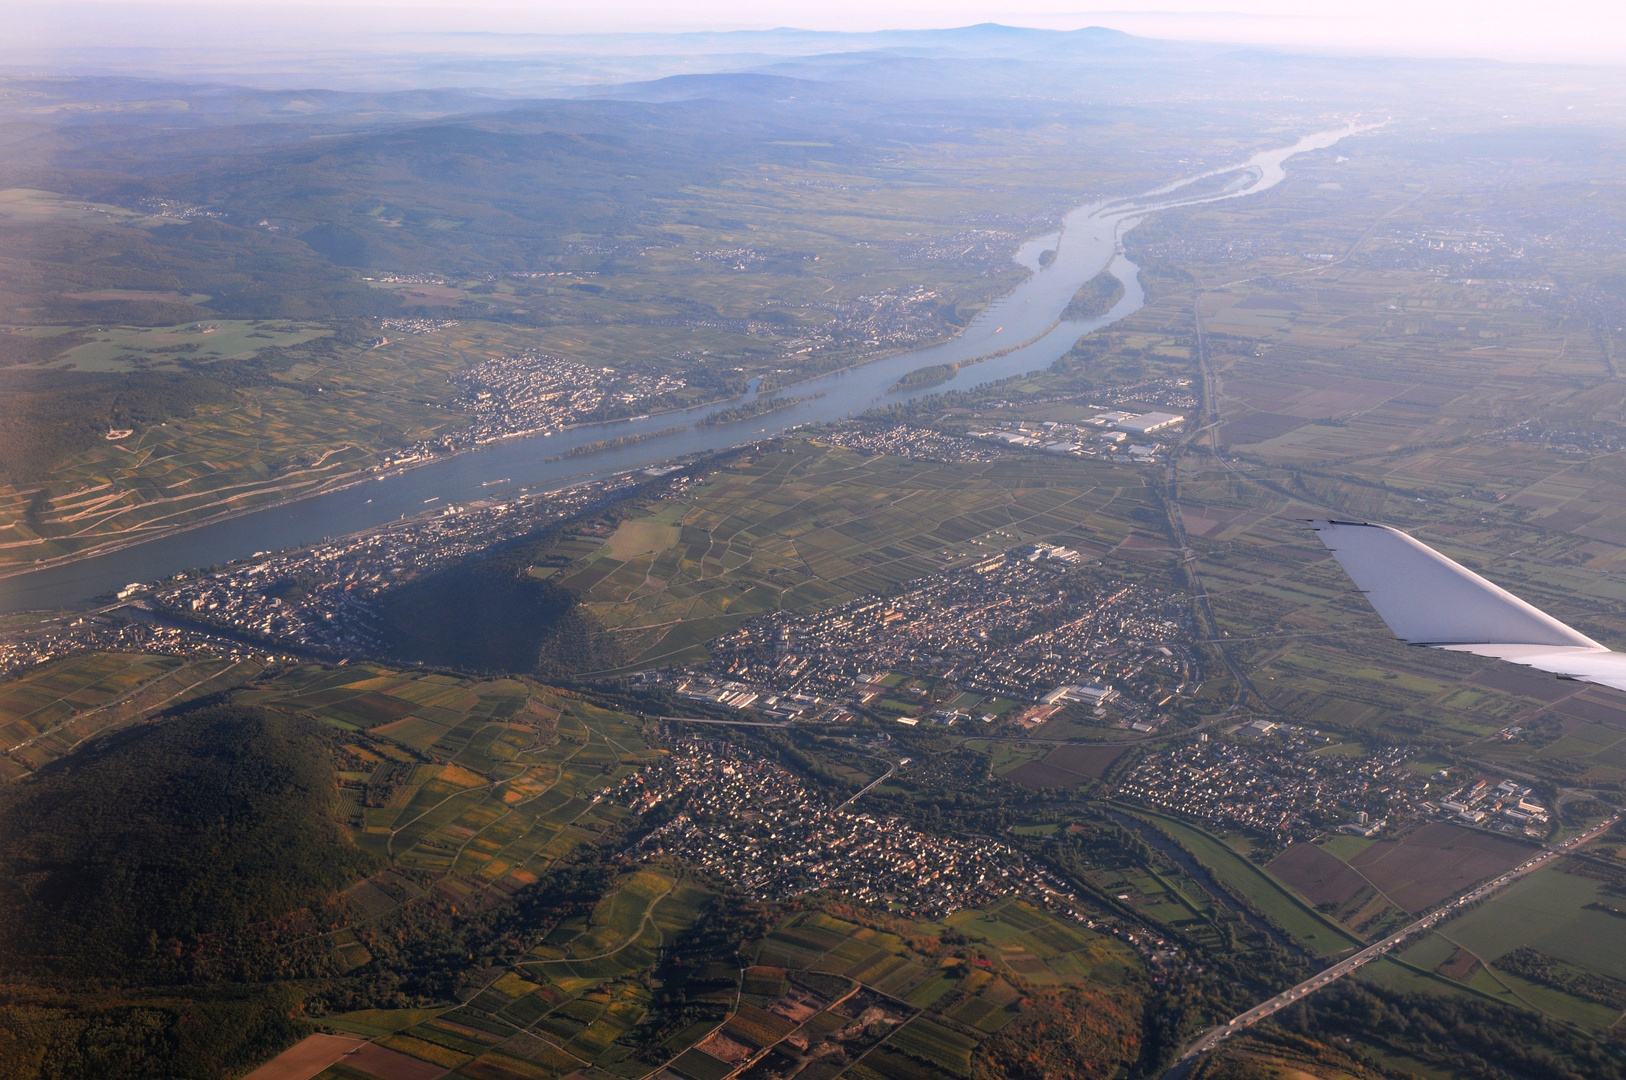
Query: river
x=1018, y=333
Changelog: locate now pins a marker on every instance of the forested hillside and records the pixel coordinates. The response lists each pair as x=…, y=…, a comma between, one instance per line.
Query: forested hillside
x=489, y=614
x=118, y=857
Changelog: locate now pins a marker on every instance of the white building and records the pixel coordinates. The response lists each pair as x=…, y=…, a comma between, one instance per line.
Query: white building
x=1149, y=423
x=1092, y=693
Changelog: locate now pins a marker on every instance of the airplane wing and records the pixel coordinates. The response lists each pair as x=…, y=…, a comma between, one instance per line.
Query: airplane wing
x=1426, y=599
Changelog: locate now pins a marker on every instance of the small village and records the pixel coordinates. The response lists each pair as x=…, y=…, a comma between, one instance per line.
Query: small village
x=756, y=825
x=893, y=319
x=1294, y=784
x=911, y=442
x=534, y=393
x=115, y=633
x=1027, y=625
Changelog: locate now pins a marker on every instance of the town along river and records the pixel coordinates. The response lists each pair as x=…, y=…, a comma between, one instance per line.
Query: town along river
x=1019, y=333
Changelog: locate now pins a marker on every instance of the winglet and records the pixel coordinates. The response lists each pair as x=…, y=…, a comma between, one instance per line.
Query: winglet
x=1427, y=599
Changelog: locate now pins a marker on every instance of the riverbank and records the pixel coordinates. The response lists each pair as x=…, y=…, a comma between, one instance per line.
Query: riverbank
x=984, y=352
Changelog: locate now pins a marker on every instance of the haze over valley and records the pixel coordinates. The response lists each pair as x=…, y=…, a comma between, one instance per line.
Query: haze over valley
x=784, y=553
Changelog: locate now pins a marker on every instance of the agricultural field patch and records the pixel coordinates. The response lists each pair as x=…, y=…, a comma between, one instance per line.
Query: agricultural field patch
x=1435, y=862
x=307, y=1058
x=1039, y=775
x=505, y=801
x=328, y=412
x=386, y=1064
x=931, y=1010
x=122, y=348
x=1238, y=874
x=1319, y=876
x=1564, y=915
x=642, y=537
x=1067, y=766
x=46, y=712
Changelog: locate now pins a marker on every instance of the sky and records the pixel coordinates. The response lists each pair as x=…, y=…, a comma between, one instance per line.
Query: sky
x=1585, y=31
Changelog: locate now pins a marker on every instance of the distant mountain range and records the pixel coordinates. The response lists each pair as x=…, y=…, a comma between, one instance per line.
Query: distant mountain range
x=273, y=56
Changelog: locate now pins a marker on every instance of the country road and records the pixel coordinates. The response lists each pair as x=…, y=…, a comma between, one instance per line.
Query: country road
x=1217, y=1035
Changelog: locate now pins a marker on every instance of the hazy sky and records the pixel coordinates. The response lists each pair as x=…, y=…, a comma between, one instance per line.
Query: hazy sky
x=1577, y=30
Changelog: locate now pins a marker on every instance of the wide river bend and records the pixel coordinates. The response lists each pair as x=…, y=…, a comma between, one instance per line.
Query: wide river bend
x=1021, y=332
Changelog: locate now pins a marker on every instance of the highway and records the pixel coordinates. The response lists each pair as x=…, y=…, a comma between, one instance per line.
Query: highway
x=1217, y=1035
x=883, y=778
x=724, y=723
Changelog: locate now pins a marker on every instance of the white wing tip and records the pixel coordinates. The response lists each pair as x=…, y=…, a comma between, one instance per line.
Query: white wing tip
x=1428, y=599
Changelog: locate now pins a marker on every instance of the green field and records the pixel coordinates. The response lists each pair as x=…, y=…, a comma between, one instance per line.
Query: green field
x=1512, y=990
x=1547, y=910
x=1021, y=941
x=935, y=1043
x=121, y=348
x=1344, y=846
x=1287, y=911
